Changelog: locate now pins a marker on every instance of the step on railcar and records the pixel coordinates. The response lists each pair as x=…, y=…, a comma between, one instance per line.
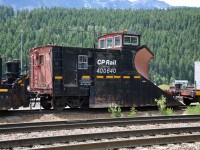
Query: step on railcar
x=114, y=73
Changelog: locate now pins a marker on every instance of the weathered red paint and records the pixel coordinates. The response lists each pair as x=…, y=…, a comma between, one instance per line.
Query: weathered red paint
x=41, y=70
x=141, y=62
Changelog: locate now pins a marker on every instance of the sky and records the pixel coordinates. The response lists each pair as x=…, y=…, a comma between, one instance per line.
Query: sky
x=189, y=3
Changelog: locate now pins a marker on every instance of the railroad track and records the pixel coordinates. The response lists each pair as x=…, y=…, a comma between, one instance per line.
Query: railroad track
x=58, y=125
x=37, y=110
x=125, y=142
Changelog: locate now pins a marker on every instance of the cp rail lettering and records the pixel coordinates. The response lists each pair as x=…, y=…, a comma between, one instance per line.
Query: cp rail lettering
x=106, y=62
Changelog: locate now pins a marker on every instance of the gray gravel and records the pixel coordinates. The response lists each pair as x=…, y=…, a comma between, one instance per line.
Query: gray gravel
x=74, y=115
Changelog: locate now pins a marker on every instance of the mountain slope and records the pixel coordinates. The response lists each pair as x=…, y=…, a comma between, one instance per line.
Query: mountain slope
x=148, y=4
x=98, y=4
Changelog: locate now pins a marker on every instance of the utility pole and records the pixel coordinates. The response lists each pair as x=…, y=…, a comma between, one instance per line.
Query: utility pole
x=92, y=23
x=82, y=38
x=21, y=59
x=94, y=34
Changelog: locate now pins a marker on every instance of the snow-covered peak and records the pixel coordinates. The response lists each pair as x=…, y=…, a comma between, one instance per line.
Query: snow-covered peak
x=114, y=4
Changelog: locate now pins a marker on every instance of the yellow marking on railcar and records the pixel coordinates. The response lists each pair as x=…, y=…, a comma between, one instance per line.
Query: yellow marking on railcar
x=86, y=77
x=197, y=93
x=137, y=77
x=26, y=77
x=126, y=77
x=117, y=77
x=109, y=77
x=100, y=77
x=22, y=84
x=20, y=81
x=3, y=90
x=58, y=77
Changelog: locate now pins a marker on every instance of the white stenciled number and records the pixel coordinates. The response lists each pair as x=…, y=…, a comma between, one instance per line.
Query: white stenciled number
x=101, y=70
x=98, y=70
x=106, y=70
x=113, y=70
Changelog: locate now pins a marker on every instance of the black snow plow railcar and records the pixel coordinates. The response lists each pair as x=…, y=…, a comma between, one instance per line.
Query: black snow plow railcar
x=115, y=73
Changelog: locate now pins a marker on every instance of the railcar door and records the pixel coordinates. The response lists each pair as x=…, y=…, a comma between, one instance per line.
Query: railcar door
x=38, y=69
x=70, y=73
x=42, y=71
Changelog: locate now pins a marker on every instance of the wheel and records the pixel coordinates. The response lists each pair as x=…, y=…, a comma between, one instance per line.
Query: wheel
x=85, y=106
x=186, y=101
x=85, y=103
x=46, y=103
x=58, y=104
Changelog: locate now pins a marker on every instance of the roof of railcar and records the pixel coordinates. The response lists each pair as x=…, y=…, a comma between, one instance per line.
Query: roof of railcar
x=119, y=33
x=73, y=48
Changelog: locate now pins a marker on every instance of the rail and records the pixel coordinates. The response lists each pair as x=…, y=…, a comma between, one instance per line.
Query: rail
x=58, y=125
x=111, y=135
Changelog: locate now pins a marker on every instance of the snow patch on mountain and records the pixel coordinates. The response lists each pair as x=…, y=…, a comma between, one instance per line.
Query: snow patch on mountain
x=113, y=4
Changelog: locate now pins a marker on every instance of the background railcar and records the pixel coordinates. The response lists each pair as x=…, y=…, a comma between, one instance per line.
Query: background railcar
x=13, y=89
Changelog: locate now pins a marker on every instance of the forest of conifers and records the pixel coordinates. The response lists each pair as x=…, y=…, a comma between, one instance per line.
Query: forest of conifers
x=173, y=35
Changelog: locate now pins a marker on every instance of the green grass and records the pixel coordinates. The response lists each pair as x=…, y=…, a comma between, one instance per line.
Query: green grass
x=168, y=111
x=193, y=110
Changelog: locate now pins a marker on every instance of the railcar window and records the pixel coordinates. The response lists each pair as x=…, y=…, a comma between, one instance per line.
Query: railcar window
x=41, y=60
x=82, y=62
x=134, y=40
x=127, y=40
x=117, y=41
x=131, y=40
x=102, y=43
x=109, y=42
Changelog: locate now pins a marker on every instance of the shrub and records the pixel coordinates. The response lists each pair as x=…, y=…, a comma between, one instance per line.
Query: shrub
x=115, y=111
x=132, y=112
x=161, y=103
